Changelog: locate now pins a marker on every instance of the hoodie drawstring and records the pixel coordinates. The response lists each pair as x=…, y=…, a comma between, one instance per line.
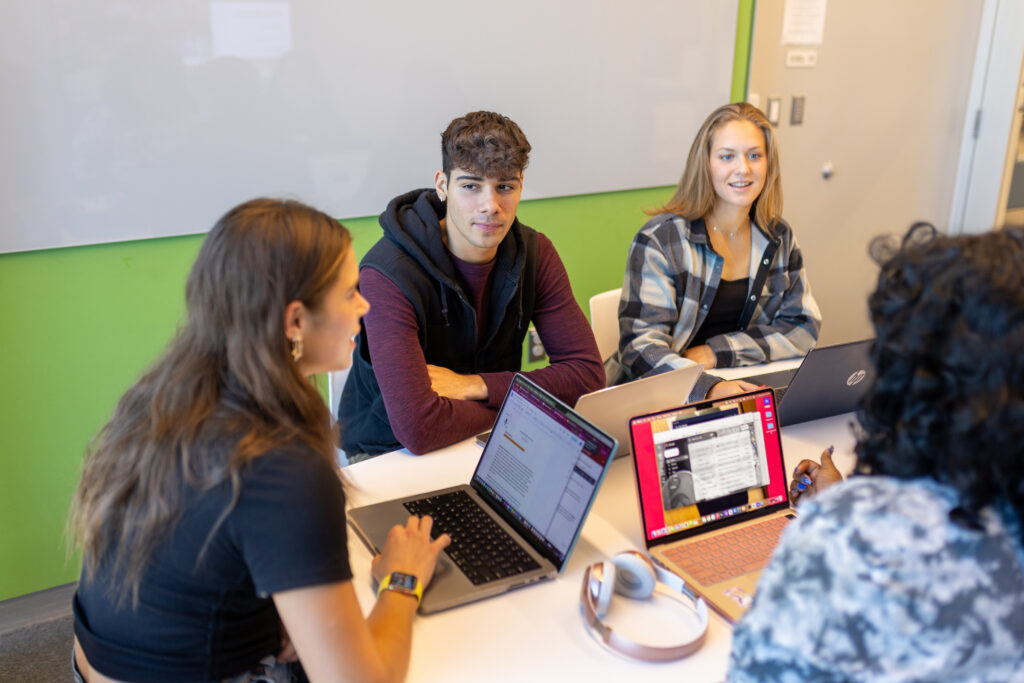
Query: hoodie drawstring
x=444, y=304
x=519, y=301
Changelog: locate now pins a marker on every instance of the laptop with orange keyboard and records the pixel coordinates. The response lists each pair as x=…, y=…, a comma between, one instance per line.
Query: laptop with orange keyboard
x=713, y=493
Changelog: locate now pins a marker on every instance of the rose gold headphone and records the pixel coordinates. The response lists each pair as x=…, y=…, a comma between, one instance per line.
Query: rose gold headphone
x=635, y=575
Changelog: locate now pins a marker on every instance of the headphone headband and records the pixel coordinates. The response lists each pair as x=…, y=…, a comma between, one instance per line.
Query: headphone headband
x=596, y=590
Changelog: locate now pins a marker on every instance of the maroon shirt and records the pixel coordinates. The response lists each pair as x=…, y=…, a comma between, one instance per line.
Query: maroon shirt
x=424, y=421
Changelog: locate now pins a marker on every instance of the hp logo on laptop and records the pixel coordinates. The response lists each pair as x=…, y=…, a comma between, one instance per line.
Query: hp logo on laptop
x=856, y=378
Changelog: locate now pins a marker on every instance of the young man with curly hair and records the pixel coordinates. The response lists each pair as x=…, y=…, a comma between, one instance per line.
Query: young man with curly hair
x=453, y=286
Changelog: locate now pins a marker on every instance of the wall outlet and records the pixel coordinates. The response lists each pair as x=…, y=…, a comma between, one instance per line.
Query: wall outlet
x=535, y=352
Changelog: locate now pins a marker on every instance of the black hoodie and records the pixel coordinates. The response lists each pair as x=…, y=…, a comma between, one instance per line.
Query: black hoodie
x=414, y=257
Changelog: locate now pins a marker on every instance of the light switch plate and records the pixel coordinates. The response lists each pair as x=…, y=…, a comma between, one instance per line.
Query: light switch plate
x=796, y=110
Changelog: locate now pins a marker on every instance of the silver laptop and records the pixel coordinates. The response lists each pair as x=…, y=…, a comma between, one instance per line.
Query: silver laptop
x=611, y=408
x=830, y=381
x=713, y=493
x=519, y=518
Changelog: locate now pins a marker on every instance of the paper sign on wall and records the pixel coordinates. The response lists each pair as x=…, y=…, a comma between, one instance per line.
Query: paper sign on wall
x=803, y=22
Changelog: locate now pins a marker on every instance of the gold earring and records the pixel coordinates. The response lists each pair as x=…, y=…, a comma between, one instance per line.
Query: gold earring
x=296, y=349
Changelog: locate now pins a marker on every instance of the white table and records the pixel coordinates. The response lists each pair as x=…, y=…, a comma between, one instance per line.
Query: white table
x=750, y=370
x=537, y=633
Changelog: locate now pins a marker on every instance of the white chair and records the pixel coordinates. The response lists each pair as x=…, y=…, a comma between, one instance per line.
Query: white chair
x=604, y=320
x=335, y=383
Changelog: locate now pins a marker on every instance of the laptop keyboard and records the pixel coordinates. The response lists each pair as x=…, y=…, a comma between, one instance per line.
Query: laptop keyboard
x=726, y=556
x=480, y=547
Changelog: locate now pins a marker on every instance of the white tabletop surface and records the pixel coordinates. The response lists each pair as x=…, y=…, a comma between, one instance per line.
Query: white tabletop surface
x=752, y=370
x=537, y=632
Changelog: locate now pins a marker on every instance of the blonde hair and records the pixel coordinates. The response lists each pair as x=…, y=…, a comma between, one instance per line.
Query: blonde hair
x=695, y=195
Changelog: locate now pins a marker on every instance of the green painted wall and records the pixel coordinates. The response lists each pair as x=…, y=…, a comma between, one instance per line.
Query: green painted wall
x=80, y=324
x=741, y=55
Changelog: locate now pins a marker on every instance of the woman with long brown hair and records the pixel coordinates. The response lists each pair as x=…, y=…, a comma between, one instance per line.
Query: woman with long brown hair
x=716, y=276
x=210, y=513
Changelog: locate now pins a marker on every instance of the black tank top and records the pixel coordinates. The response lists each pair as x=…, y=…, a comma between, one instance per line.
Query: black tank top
x=724, y=315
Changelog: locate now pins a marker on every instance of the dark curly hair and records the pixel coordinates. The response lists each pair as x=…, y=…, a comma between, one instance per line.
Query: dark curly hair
x=947, y=401
x=485, y=143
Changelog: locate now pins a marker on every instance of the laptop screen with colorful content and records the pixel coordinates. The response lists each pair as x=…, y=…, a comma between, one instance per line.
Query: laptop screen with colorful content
x=706, y=464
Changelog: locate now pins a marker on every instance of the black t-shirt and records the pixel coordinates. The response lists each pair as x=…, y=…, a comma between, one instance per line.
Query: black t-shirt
x=215, y=618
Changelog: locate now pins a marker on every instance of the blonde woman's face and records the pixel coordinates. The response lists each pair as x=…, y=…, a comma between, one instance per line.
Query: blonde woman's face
x=738, y=163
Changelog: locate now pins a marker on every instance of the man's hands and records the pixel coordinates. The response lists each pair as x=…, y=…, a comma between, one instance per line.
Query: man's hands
x=450, y=384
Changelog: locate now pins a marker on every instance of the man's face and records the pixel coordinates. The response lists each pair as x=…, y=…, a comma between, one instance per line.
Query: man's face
x=480, y=212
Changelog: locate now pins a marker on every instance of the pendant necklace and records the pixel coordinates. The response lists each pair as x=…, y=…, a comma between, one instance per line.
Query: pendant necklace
x=730, y=235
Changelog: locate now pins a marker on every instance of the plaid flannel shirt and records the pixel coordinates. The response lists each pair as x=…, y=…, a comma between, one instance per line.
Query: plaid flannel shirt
x=672, y=275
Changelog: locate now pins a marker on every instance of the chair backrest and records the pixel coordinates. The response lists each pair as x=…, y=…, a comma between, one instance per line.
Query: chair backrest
x=335, y=383
x=604, y=320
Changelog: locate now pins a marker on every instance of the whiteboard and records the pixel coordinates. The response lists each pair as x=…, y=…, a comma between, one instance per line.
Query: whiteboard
x=129, y=119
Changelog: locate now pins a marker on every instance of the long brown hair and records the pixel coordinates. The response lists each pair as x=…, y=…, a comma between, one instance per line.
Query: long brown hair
x=695, y=194
x=229, y=363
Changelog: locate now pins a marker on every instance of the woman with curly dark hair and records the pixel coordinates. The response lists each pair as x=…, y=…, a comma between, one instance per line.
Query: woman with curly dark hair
x=912, y=568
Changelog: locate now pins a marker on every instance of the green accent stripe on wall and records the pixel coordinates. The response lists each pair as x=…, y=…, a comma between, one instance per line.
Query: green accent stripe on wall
x=741, y=56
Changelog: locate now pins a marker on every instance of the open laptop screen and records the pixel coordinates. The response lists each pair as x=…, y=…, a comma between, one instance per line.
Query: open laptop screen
x=707, y=462
x=541, y=468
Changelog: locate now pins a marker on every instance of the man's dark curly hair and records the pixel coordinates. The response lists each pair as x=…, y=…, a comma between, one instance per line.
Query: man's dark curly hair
x=486, y=144
x=947, y=401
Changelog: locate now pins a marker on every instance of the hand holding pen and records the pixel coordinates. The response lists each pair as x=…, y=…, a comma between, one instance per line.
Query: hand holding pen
x=810, y=477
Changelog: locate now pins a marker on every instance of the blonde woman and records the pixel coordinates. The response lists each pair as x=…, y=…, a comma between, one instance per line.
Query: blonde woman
x=716, y=276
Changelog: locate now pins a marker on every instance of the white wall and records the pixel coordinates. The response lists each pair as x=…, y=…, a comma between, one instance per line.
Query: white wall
x=886, y=105
x=983, y=178
x=130, y=119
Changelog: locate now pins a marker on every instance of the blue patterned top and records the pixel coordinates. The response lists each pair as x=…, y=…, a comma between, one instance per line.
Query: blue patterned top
x=873, y=582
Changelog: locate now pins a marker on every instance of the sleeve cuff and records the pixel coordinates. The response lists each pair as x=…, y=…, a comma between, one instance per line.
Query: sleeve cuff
x=724, y=357
x=497, y=386
x=703, y=386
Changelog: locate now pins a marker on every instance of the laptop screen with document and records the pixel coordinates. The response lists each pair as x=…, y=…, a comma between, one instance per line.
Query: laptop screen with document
x=707, y=462
x=541, y=467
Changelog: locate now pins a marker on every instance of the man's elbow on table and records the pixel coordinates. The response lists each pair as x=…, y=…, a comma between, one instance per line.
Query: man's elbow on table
x=427, y=436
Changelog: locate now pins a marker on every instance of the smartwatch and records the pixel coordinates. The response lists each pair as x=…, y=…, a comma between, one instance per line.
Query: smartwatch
x=402, y=583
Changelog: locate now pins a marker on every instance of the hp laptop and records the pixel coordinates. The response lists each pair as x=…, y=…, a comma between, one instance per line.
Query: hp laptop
x=713, y=493
x=830, y=381
x=611, y=408
x=519, y=518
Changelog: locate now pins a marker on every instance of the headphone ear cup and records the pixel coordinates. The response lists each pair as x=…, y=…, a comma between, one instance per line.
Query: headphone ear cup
x=634, y=576
x=605, y=589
